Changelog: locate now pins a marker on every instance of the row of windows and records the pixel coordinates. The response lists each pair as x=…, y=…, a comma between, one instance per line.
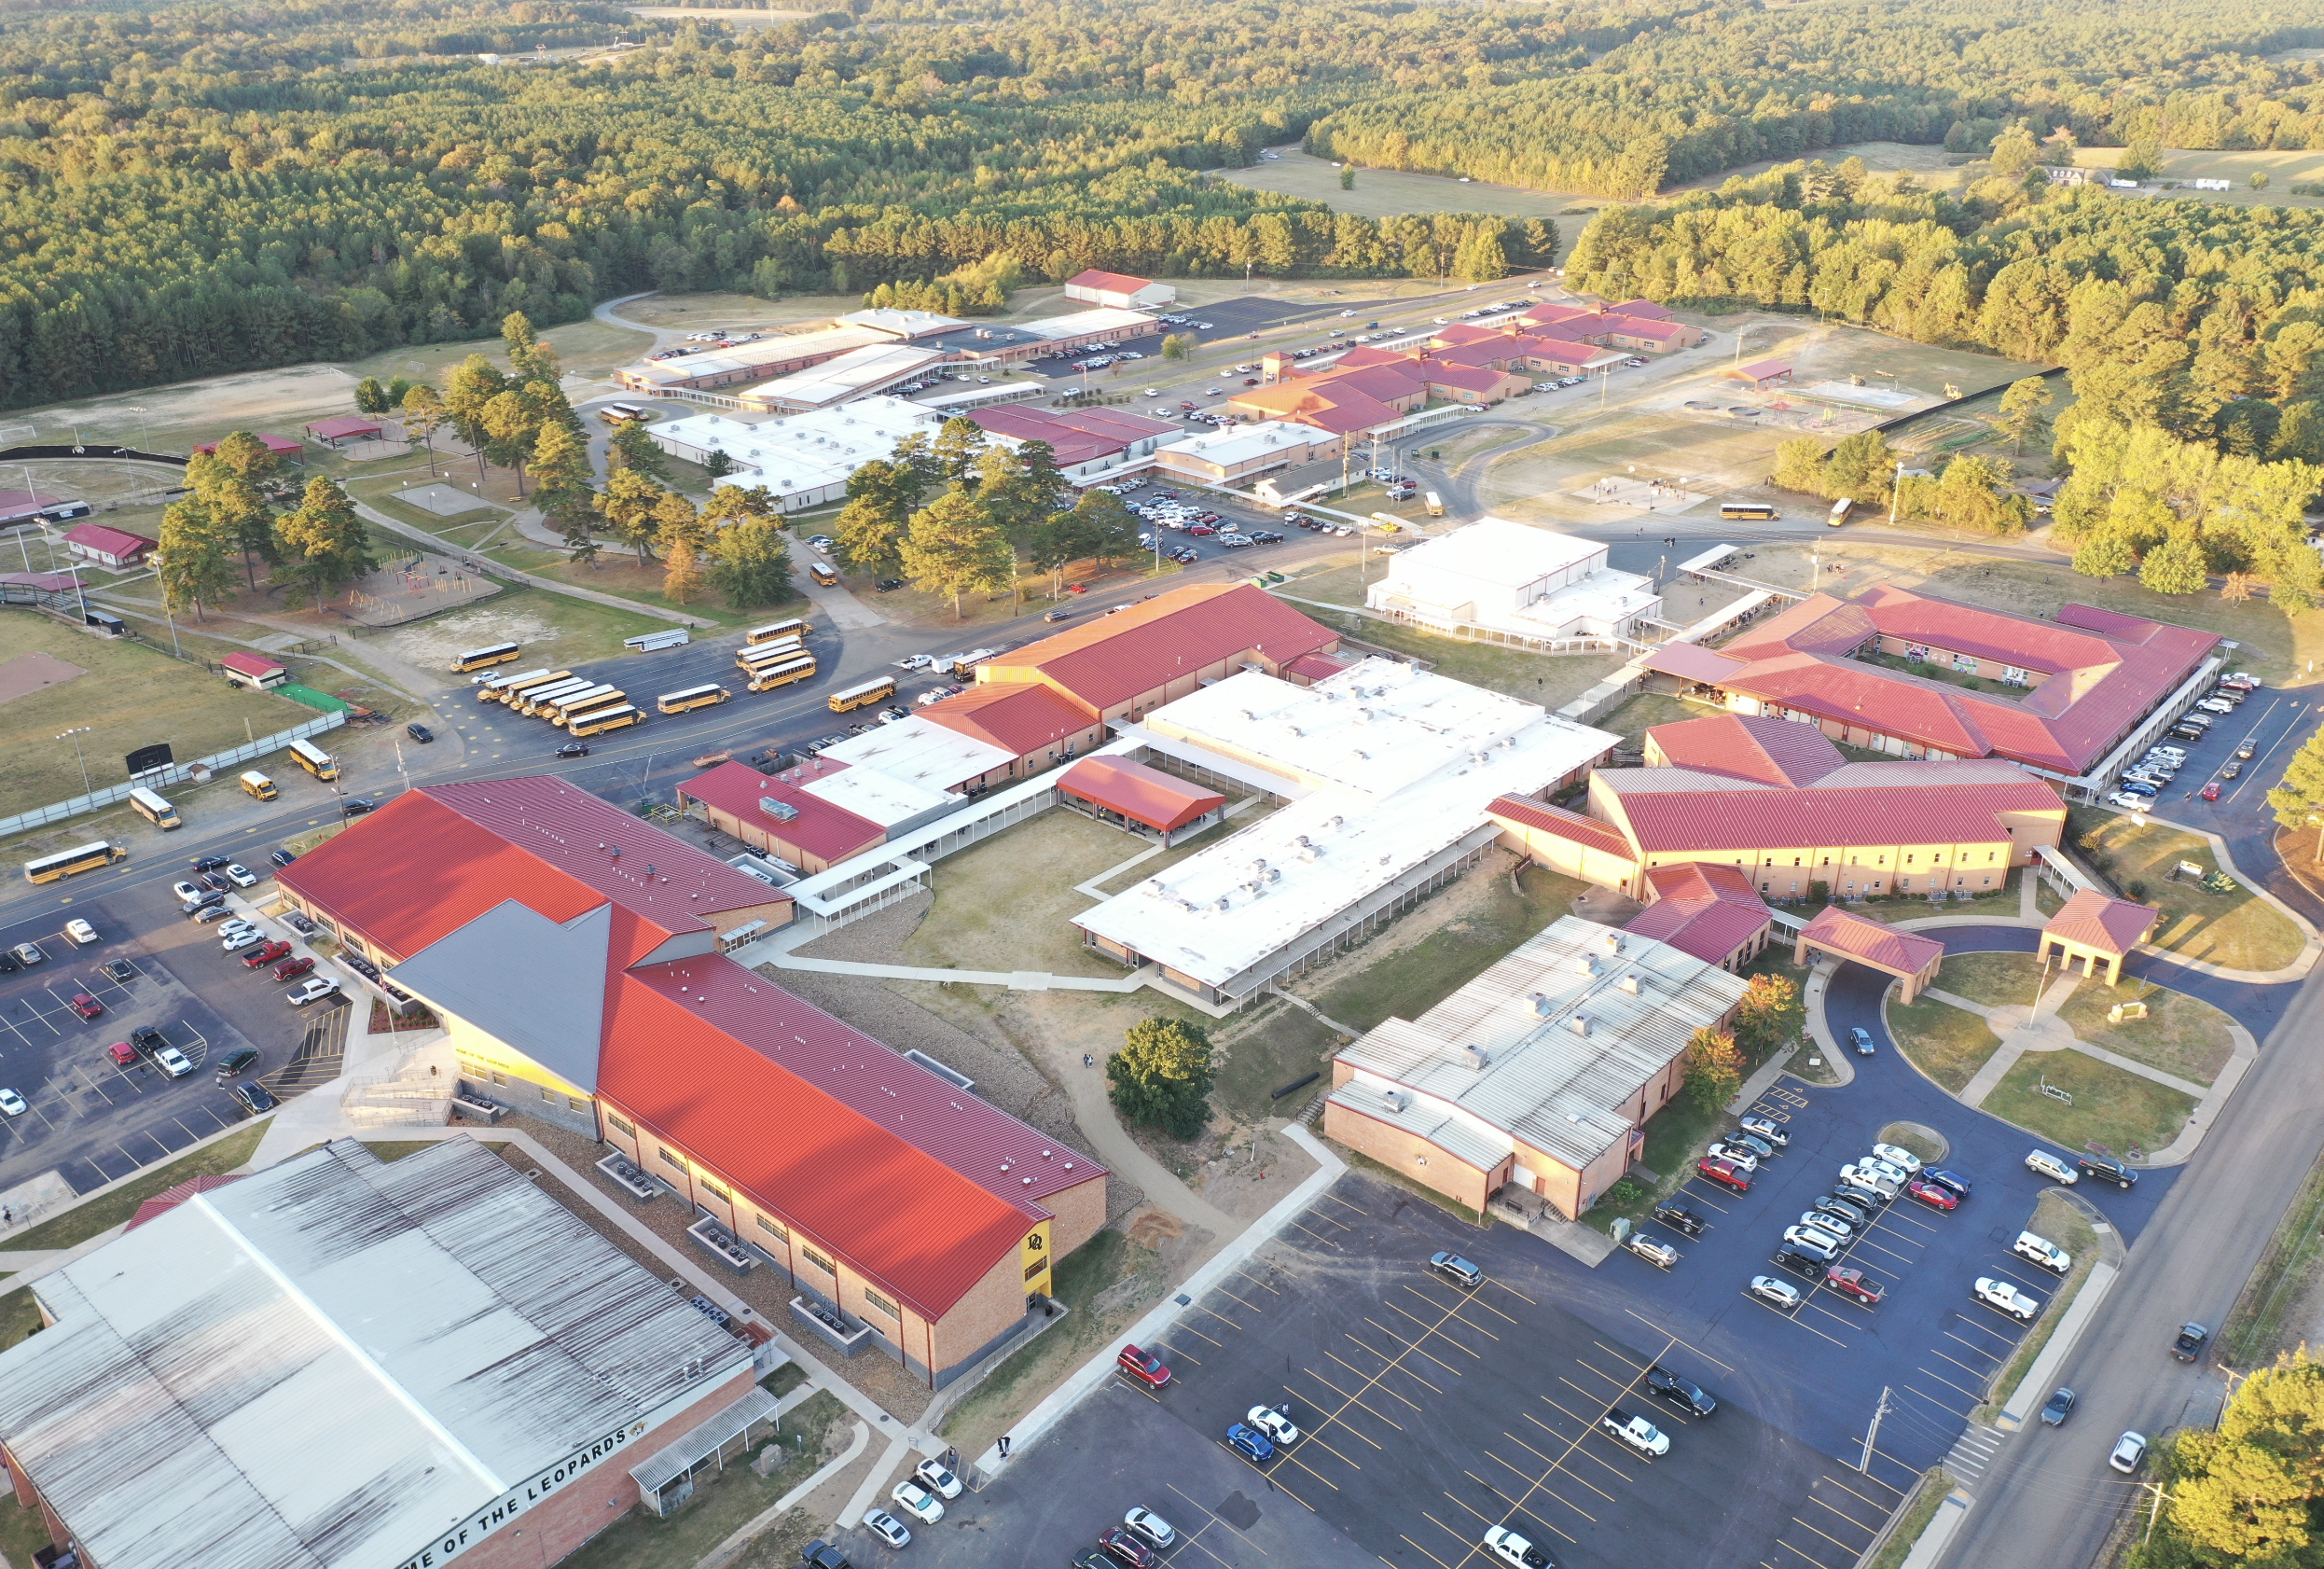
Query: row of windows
x=1992, y=858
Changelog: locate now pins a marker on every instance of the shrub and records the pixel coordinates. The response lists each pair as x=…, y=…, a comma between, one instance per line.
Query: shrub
x=2136, y=889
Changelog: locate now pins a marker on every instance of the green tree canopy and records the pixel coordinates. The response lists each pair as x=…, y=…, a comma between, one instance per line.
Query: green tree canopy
x=323, y=544
x=1162, y=1076
x=952, y=548
x=752, y=562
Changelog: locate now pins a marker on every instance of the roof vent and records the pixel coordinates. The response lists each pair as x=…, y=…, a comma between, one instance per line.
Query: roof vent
x=1541, y=1004
x=1474, y=1056
x=1580, y=1025
x=1027, y=1181
x=1068, y=1165
x=782, y=811
x=1614, y=942
x=1004, y=1165
x=1631, y=983
x=1395, y=1099
x=1585, y=962
x=1048, y=1154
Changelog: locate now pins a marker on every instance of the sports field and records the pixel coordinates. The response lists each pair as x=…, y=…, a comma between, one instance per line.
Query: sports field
x=1380, y=193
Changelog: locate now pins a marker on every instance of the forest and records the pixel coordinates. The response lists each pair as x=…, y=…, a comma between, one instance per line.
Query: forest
x=196, y=189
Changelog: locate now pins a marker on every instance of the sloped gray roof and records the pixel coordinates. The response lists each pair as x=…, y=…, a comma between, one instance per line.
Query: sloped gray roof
x=522, y=979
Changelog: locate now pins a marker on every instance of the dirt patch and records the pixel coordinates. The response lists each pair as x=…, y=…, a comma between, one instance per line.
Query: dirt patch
x=1249, y=1178
x=437, y=642
x=30, y=672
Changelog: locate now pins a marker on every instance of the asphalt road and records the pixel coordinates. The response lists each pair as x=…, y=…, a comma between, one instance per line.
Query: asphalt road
x=2047, y=1498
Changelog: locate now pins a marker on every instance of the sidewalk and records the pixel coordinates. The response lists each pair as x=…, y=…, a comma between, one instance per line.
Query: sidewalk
x=370, y=513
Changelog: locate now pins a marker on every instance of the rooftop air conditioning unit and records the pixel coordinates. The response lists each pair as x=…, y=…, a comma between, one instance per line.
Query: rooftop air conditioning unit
x=1395, y=1098
x=1614, y=942
x=1585, y=962
x=1631, y=983
x=1474, y=1056
x=1580, y=1025
x=783, y=811
x=1541, y=1004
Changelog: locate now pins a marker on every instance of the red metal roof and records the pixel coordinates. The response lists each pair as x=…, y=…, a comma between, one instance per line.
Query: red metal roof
x=1646, y=308
x=109, y=541
x=169, y=1198
x=1883, y=947
x=1761, y=370
x=251, y=664
x=1703, y=879
x=2109, y=925
x=1018, y=717
x=1113, y=283
x=1772, y=750
x=1692, y=661
x=1640, y=326
x=1144, y=795
x=1315, y=667
x=342, y=424
x=1694, y=822
x=918, y=1184
x=1113, y=659
x=1586, y=831
x=828, y=832
x=279, y=445
x=1707, y=929
x=1480, y=378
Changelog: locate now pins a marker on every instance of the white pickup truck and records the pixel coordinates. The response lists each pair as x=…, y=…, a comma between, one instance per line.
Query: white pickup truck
x=1636, y=1431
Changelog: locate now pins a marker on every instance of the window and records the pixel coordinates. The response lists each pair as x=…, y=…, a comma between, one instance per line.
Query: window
x=875, y=1299
x=818, y=1261
x=548, y=1095
x=2012, y=675
x=578, y=1102
x=499, y=1077
x=716, y=1191
x=669, y=1159
x=1033, y=1272
x=772, y=1227
x=620, y=1124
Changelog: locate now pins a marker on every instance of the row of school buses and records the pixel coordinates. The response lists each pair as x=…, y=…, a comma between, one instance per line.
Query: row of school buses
x=774, y=654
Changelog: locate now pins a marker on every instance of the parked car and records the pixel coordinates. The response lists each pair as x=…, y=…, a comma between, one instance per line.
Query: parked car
x=1798, y=1263
x=258, y=958
x=1508, y=1547
x=420, y=732
x=1279, y=1429
x=1902, y=1160
x=236, y=1063
x=80, y=932
x=1853, y=1284
x=236, y=942
x=1636, y=1431
x=1817, y=1243
x=1824, y=1221
x=119, y=969
x=1724, y=1172
x=2041, y=1252
x=254, y=1097
x=241, y=876
x=1761, y=1149
x=918, y=1501
x=1680, y=1394
x=2001, y=1295
x=1678, y=1217
x=1934, y=1194
x=889, y=1529
x=1457, y=1270
x=2129, y=800
x=1144, y=1366
x=1148, y=1527
x=2054, y=1410
x=2107, y=1171
x=2190, y=1341
x=12, y=1103
x=86, y=1006
x=1853, y=1210
x=121, y=1054
x=1859, y=1179
x=2042, y=1163
x=1777, y=1294
x=1249, y=1443
x=314, y=990
x=1736, y=1155
x=171, y=1060
x=291, y=969
x=187, y=892
x=282, y=858
x=1761, y=1128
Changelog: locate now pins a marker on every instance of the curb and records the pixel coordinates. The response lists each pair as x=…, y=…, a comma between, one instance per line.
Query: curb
x=1062, y=1399
x=1939, y=1534
x=2037, y=1378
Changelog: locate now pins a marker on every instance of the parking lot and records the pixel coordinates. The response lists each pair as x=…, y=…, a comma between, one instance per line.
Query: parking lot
x=93, y=1119
x=1431, y=1413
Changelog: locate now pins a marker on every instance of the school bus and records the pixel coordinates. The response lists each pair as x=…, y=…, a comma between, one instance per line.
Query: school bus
x=822, y=575
x=621, y=413
x=314, y=759
x=782, y=674
x=605, y=719
x=506, y=689
x=863, y=695
x=1838, y=514
x=693, y=697
x=69, y=863
x=796, y=626
x=1756, y=511
x=539, y=698
x=153, y=809
x=748, y=659
x=258, y=785
x=498, y=653
x=583, y=702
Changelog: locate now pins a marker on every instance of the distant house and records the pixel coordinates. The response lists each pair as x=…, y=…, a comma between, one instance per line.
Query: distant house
x=281, y=446
x=1763, y=373
x=107, y=547
x=2066, y=175
x=344, y=428
x=1119, y=290
x=37, y=507
x=254, y=671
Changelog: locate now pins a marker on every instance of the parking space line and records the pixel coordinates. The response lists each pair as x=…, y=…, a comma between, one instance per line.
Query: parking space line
x=1862, y=1242
x=1837, y=1511
x=1255, y=1281
x=1982, y=1351
x=1327, y=1449
x=1304, y=1466
x=1211, y=1519
x=1938, y=1404
x=1973, y=1393
x=1317, y=1235
x=1474, y=1509
x=1672, y=1339
x=1973, y=1372
x=1251, y=1465
x=1562, y=1411
x=1355, y=1209
x=2009, y=1272
x=1361, y=1374
x=1827, y=1535
x=1223, y=1292
x=1584, y=1452
x=1350, y=1426
x=1845, y=1488
x=1534, y=1484
x=1793, y=1318
x=1463, y=1323
x=1415, y=1345
x=1907, y=1218
x=1425, y=1553
x=1817, y=1562
x=1460, y=1537
x=1192, y=1330
x=1220, y=1316
x=1182, y=1353
x=1518, y=1295
x=1474, y=1302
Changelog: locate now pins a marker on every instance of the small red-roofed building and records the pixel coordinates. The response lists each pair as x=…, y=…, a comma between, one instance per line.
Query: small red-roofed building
x=1127, y=794
x=255, y=671
x=1711, y=911
x=342, y=428
x=2098, y=931
x=779, y=819
x=1040, y=725
x=107, y=547
x=1763, y=373
x=281, y=446
x=1119, y=289
x=1844, y=935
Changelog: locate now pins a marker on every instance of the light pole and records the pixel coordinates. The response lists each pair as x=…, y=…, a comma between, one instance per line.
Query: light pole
x=75, y=735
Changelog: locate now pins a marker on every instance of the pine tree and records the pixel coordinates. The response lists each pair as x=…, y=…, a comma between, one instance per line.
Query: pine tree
x=626, y=504
x=423, y=414
x=528, y=356
x=196, y=557
x=682, y=577
x=370, y=397
x=324, y=544
x=473, y=385
x=2020, y=414
x=752, y=564
x=960, y=446
x=1104, y=528
x=1162, y=1076
x=951, y=548
x=633, y=449
x=562, y=487
x=678, y=522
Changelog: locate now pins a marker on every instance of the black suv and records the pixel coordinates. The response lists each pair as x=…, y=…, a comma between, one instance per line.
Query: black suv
x=146, y=1039
x=822, y=1555
x=1678, y=1217
x=2107, y=1171
x=1672, y=1390
x=1798, y=1263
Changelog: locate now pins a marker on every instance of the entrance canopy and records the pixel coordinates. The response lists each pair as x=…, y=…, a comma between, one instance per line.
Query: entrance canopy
x=1911, y=959
x=1161, y=801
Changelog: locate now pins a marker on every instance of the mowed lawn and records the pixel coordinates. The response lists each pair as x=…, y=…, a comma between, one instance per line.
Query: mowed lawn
x=129, y=697
x=2240, y=930
x=1943, y=1041
x=2111, y=1109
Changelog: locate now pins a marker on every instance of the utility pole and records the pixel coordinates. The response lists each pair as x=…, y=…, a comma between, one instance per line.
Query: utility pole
x=1872, y=1437
x=1896, y=492
x=75, y=736
x=2154, y=1511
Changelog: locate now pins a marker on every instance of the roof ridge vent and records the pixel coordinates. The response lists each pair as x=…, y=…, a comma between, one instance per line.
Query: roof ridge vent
x=1632, y=983
x=1580, y=1025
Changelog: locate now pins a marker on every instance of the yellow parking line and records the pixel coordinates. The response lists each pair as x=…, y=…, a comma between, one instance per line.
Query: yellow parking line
x=1361, y=1374
x=1184, y=1355
x=1817, y=1562
x=1317, y=1235
x=1674, y=1340
x=1461, y=1536
x=1348, y=1426
x=1255, y=1281
x=1973, y=1345
x=1977, y=1372
x=1217, y=1520
x=1863, y=1243
x=1518, y=1295
x=1312, y=1439
x=1425, y=1553
x=1355, y=1209
x=1867, y=1530
x=1537, y=1483
x=1223, y=1292
x=1270, y=1476
x=1826, y=1535
x=1192, y=1330
x=1418, y=1319
x=1220, y=1316
x=1610, y=1350
x=1793, y=1318
x=1309, y=1469
x=1562, y=1411
x=1415, y=1345
x=1474, y=1509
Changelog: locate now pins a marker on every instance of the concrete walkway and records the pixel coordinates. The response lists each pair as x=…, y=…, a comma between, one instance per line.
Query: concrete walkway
x=548, y=585
x=1016, y=980
x=732, y=1548
x=2298, y=969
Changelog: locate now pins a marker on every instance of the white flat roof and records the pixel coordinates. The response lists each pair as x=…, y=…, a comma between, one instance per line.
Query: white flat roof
x=890, y=322
x=1495, y=550
x=1245, y=442
x=880, y=798
x=1105, y=318
x=332, y=1362
x=920, y=752
x=805, y=451
x=843, y=376
x=1602, y=596
x=1441, y=751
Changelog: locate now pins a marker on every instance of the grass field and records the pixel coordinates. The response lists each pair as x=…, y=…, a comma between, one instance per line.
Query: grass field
x=554, y=628
x=2182, y=1035
x=1995, y=979
x=2240, y=930
x=1384, y=192
x=128, y=697
x=1408, y=981
x=1943, y=1041
x=1634, y=719
x=83, y=1221
x=1261, y=1052
x=2113, y=1109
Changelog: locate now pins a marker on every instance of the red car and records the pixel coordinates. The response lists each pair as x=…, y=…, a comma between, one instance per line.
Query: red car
x=291, y=969
x=86, y=1006
x=121, y=1052
x=2211, y=791
x=266, y=954
x=1933, y=1195
x=1851, y=1283
x=1725, y=1173
x=1124, y=1549
x=1143, y=1366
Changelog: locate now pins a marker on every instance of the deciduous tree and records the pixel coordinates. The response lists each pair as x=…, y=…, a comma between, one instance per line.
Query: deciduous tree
x=1161, y=1077
x=682, y=575
x=951, y=548
x=1769, y=1015
x=2179, y=567
x=1714, y=1068
x=627, y=504
x=2022, y=407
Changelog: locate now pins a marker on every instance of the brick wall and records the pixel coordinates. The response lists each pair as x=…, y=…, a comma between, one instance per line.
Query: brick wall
x=1412, y=1155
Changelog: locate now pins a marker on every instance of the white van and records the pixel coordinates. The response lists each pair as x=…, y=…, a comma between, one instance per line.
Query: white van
x=2042, y=1163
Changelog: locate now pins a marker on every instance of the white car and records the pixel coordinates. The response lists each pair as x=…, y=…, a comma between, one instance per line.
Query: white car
x=933, y=1476
x=918, y=1501
x=187, y=892
x=236, y=942
x=1513, y=1549
x=1902, y=1160
x=1814, y=1240
x=80, y=932
x=1274, y=1424
x=1775, y=1293
x=241, y=876
x=1864, y=1181
x=1831, y=1223
x=172, y=1062
x=2042, y=1163
x=1150, y=392
x=889, y=1529
x=1882, y=1168
x=2130, y=1448
x=12, y=1103
x=1150, y=1527
x=2002, y=1295
x=1744, y=1159
x=317, y=988
x=1760, y=1128
x=2127, y=800
x=2043, y=1251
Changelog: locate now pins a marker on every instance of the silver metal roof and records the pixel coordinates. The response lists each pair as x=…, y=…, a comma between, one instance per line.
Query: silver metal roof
x=690, y=1448
x=329, y=1363
x=521, y=977
x=1503, y=1058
